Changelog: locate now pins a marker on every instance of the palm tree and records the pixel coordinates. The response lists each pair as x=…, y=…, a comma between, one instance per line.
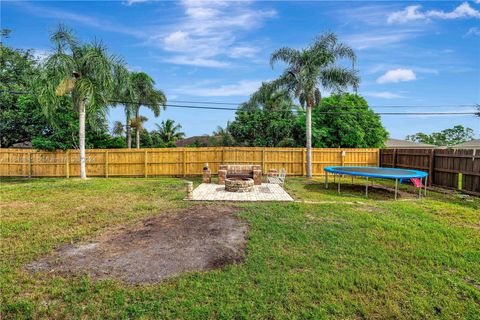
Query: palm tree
x=84, y=72
x=137, y=124
x=118, y=129
x=223, y=137
x=269, y=97
x=145, y=94
x=313, y=68
x=169, y=131
x=124, y=95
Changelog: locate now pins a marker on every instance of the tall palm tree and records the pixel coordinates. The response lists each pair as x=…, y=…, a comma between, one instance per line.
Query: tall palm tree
x=84, y=72
x=223, y=137
x=314, y=68
x=137, y=124
x=118, y=128
x=145, y=94
x=123, y=95
x=169, y=131
x=270, y=97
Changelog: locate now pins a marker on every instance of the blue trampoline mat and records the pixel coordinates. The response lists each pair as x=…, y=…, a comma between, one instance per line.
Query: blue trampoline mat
x=377, y=172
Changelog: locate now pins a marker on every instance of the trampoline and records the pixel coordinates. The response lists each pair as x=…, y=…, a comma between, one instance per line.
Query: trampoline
x=399, y=175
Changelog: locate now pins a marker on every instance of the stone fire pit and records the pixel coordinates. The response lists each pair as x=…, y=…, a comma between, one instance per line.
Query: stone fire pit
x=238, y=184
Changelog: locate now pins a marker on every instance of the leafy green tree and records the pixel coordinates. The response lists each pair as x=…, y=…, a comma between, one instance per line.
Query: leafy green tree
x=258, y=127
x=169, y=131
x=313, y=68
x=84, y=73
x=447, y=137
x=20, y=115
x=344, y=120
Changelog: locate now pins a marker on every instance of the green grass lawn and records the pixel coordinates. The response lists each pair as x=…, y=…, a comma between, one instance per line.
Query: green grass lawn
x=342, y=257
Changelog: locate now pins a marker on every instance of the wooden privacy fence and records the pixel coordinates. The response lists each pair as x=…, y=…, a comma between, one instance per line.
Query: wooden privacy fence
x=447, y=168
x=174, y=161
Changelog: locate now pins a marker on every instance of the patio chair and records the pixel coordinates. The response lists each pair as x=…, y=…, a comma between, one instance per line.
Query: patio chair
x=280, y=179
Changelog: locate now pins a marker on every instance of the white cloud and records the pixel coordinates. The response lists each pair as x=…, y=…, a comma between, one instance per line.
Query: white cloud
x=242, y=88
x=413, y=13
x=130, y=2
x=380, y=39
x=41, y=54
x=87, y=20
x=209, y=30
x=410, y=13
x=197, y=61
x=397, y=75
x=242, y=51
x=383, y=94
x=473, y=32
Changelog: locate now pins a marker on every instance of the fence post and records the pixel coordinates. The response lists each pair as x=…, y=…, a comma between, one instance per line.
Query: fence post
x=184, y=162
x=263, y=160
x=394, y=161
x=146, y=164
x=431, y=166
x=223, y=155
x=30, y=164
x=106, y=164
x=304, y=162
x=67, y=164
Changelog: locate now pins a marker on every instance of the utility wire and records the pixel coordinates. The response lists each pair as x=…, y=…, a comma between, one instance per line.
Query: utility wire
x=393, y=106
x=322, y=112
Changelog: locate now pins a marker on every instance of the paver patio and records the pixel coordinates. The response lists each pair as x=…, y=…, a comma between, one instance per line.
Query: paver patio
x=263, y=192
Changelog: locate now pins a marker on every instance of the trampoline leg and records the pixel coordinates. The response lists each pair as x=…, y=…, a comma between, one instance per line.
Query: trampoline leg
x=420, y=189
x=339, y=178
x=396, y=188
x=366, y=188
x=426, y=181
x=326, y=180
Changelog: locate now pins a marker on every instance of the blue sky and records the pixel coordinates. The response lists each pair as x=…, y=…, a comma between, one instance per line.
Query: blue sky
x=409, y=53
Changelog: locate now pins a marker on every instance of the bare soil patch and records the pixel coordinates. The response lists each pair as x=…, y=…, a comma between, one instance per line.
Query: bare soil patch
x=197, y=238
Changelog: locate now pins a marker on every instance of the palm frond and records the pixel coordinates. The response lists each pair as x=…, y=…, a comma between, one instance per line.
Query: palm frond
x=338, y=78
x=65, y=86
x=285, y=54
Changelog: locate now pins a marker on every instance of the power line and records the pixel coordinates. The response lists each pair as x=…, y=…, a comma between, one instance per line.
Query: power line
x=371, y=106
x=321, y=112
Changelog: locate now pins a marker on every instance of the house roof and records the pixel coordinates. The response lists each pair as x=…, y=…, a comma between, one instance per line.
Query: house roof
x=202, y=140
x=475, y=144
x=398, y=143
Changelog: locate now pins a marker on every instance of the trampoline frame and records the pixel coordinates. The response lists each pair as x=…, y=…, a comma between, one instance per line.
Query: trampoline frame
x=336, y=170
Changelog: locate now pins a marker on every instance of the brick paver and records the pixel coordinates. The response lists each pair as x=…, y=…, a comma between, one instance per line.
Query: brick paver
x=263, y=192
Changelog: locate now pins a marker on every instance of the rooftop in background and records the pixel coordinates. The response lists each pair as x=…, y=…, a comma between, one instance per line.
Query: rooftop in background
x=472, y=144
x=201, y=141
x=397, y=144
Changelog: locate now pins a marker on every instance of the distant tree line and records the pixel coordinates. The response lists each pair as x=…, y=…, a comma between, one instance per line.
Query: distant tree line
x=447, y=137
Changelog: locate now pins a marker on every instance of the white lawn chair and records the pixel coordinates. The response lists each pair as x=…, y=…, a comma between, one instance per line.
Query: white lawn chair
x=280, y=179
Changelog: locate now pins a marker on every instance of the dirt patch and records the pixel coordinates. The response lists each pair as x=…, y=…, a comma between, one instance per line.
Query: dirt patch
x=198, y=238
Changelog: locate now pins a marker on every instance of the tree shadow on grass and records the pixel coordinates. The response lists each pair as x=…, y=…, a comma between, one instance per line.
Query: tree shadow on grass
x=375, y=191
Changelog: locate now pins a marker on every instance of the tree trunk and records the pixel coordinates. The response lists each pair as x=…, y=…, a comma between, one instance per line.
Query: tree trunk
x=137, y=138
x=81, y=134
x=129, y=132
x=309, y=138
